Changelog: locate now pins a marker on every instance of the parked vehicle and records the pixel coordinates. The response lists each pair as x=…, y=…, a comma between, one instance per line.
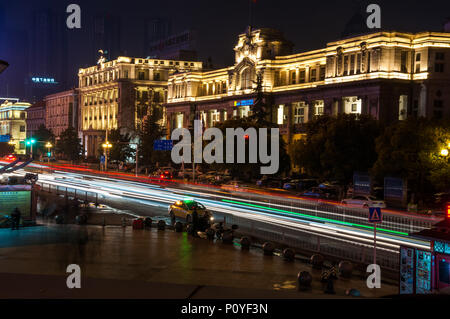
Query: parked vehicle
x=183, y=210
x=364, y=201
x=321, y=193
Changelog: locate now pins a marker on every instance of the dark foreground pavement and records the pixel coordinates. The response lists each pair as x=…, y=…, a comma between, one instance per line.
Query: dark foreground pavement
x=126, y=263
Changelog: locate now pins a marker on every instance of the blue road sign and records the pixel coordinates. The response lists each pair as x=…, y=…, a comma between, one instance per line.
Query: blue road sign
x=375, y=215
x=102, y=159
x=162, y=145
x=5, y=138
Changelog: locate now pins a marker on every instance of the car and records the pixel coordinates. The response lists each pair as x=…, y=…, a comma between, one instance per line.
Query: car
x=10, y=158
x=162, y=174
x=320, y=193
x=183, y=210
x=364, y=201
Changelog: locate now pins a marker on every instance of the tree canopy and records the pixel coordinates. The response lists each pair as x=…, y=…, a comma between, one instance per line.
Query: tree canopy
x=69, y=145
x=335, y=147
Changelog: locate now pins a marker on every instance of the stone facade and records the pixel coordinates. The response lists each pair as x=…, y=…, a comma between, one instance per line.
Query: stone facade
x=61, y=111
x=13, y=123
x=119, y=94
x=389, y=75
x=35, y=117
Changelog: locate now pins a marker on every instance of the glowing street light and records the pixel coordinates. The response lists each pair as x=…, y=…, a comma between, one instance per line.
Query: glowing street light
x=48, y=146
x=106, y=146
x=444, y=152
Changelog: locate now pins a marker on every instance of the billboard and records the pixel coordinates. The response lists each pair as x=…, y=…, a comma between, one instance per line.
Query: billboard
x=361, y=184
x=11, y=199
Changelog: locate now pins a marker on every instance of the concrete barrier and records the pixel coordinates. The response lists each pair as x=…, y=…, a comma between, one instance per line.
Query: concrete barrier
x=245, y=243
x=178, y=227
x=317, y=261
x=148, y=222
x=161, y=225
x=268, y=248
x=304, y=280
x=289, y=254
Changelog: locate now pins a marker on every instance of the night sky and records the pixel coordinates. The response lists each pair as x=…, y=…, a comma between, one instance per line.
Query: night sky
x=309, y=25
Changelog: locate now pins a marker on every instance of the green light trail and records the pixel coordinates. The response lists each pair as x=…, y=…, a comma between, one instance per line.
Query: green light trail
x=317, y=218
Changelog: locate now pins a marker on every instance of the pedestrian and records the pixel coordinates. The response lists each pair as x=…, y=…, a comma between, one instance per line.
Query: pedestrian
x=195, y=221
x=15, y=219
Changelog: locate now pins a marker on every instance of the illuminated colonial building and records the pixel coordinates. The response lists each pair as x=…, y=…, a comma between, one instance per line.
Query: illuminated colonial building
x=61, y=111
x=389, y=75
x=120, y=93
x=13, y=123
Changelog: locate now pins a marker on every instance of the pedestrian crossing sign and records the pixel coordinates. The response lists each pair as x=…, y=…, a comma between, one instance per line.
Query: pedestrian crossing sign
x=375, y=215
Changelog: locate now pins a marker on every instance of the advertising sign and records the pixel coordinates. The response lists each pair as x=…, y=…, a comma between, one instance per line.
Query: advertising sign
x=423, y=272
x=406, y=270
x=9, y=200
x=395, y=190
x=163, y=145
x=243, y=102
x=361, y=184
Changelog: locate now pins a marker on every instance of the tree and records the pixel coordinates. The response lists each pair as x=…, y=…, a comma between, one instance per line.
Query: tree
x=42, y=136
x=151, y=132
x=6, y=149
x=336, y=147
x=249, y=171
x=259, y=108
x=410, y=149
x=69, y=145
x=121, y=149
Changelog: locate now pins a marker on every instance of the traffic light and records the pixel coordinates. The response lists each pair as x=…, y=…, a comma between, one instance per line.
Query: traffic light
x=49, y=154
x=30, y=141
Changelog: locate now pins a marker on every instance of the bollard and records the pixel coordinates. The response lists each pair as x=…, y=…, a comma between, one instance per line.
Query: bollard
x=345, y=269
x=138, y=223
x=268, y=248
x=317, y=261
x=227, y=237
x=210, y=233
x=304, y=280
x=245, y=243
x=59, y=219
x=148, y=222
x=81, y=219
x=178, y=227
x=161, y=225
x=289, y=254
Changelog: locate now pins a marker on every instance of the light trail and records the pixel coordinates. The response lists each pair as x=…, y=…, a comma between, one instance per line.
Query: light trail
x=157, y=196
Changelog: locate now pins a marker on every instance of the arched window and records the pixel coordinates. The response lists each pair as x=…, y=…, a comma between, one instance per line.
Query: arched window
x=246, y=78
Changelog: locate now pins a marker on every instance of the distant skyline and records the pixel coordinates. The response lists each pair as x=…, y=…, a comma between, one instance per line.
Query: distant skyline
x=217, y=24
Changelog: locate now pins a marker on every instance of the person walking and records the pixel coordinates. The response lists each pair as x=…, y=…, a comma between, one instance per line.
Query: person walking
x=195, y=221
x=15, y=219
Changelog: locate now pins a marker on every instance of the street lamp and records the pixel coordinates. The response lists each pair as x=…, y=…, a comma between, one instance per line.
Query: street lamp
x=30, y=143
x=106, y=146
x=48, y=146
x=444, y=152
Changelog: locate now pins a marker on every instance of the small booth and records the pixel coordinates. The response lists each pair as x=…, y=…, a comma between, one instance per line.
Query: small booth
x=22, y=197
x=427, y=271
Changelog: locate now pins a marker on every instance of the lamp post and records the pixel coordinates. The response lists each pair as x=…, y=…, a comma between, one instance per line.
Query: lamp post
x=106, y=146
x=48, y=146
x=30, y=143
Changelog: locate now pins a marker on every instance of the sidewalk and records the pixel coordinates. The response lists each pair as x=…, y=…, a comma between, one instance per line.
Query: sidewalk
x=118, y=263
